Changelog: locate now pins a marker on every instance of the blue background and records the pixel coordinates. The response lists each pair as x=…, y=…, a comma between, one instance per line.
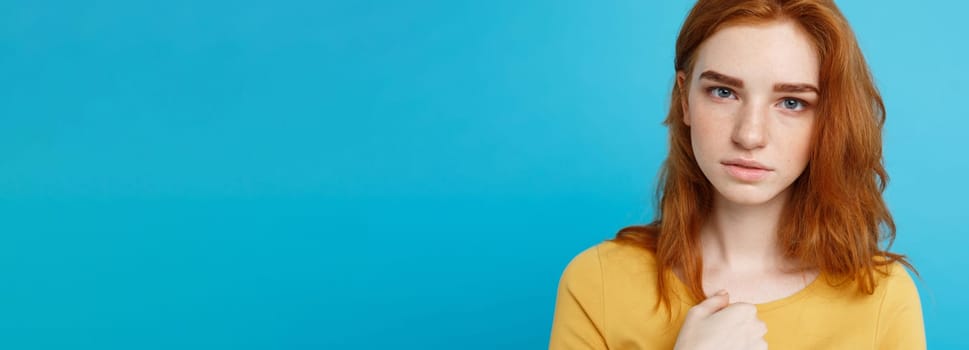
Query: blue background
x=372, y=174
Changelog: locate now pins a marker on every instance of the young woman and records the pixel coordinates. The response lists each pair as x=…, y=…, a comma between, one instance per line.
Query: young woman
x=770, y=219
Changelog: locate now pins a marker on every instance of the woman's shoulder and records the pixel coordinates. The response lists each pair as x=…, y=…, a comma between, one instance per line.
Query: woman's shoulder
x=893, y=285
x=623, y=253
x=897, y=283
x=612, y=252
x=900, y=310
x=893, y=279
x=610, y=260
x=606, y=295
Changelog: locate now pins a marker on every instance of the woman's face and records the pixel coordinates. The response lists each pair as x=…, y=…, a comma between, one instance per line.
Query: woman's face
x=750, y=108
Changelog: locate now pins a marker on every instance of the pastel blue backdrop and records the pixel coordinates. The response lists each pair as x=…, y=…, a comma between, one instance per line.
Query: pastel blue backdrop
x=376, y=174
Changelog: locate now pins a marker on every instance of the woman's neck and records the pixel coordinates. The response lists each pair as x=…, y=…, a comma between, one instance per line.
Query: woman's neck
x=741, y=238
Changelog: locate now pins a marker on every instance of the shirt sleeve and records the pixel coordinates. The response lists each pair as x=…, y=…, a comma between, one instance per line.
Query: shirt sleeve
x=900, y=324
x=578, y=319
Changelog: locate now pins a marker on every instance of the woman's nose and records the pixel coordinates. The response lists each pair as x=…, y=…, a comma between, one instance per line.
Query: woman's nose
x=750, y=128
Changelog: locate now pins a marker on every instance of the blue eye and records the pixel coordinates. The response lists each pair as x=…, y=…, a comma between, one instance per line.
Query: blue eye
x=721, y=92
x=792, y=104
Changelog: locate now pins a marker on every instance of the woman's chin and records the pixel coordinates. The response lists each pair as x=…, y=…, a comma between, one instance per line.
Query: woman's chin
x=747, y=195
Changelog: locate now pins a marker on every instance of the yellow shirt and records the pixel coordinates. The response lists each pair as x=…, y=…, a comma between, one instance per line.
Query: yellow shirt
x=607, y=292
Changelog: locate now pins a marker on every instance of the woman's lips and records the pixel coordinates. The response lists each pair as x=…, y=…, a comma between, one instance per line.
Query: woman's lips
x=746, y=173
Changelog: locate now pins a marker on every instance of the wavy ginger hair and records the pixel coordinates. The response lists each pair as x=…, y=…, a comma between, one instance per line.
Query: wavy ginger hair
x=836, y=216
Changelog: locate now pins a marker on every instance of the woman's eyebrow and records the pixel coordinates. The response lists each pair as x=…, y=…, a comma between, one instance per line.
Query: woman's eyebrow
x=738, y=83
x=789, y=87
x=722, y=78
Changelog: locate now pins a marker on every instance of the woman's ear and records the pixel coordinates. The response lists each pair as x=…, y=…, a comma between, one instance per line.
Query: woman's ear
x=681, y=88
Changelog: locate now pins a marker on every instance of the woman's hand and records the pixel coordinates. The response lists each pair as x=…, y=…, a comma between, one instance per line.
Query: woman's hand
x=716, y=324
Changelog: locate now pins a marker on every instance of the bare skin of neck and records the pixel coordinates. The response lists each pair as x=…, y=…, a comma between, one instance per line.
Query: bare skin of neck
x=740, y=238
x=741, y=253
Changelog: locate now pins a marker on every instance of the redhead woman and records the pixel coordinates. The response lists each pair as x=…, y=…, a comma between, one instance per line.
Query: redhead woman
x=771, y=224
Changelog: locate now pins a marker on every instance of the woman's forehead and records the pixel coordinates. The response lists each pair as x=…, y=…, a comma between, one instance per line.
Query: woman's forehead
x=766, y=53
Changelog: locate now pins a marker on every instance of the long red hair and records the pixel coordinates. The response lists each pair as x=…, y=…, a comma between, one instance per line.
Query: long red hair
x=836, y=216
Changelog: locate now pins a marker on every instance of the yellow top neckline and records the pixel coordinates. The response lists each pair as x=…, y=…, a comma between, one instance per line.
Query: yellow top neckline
x=683, y=291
